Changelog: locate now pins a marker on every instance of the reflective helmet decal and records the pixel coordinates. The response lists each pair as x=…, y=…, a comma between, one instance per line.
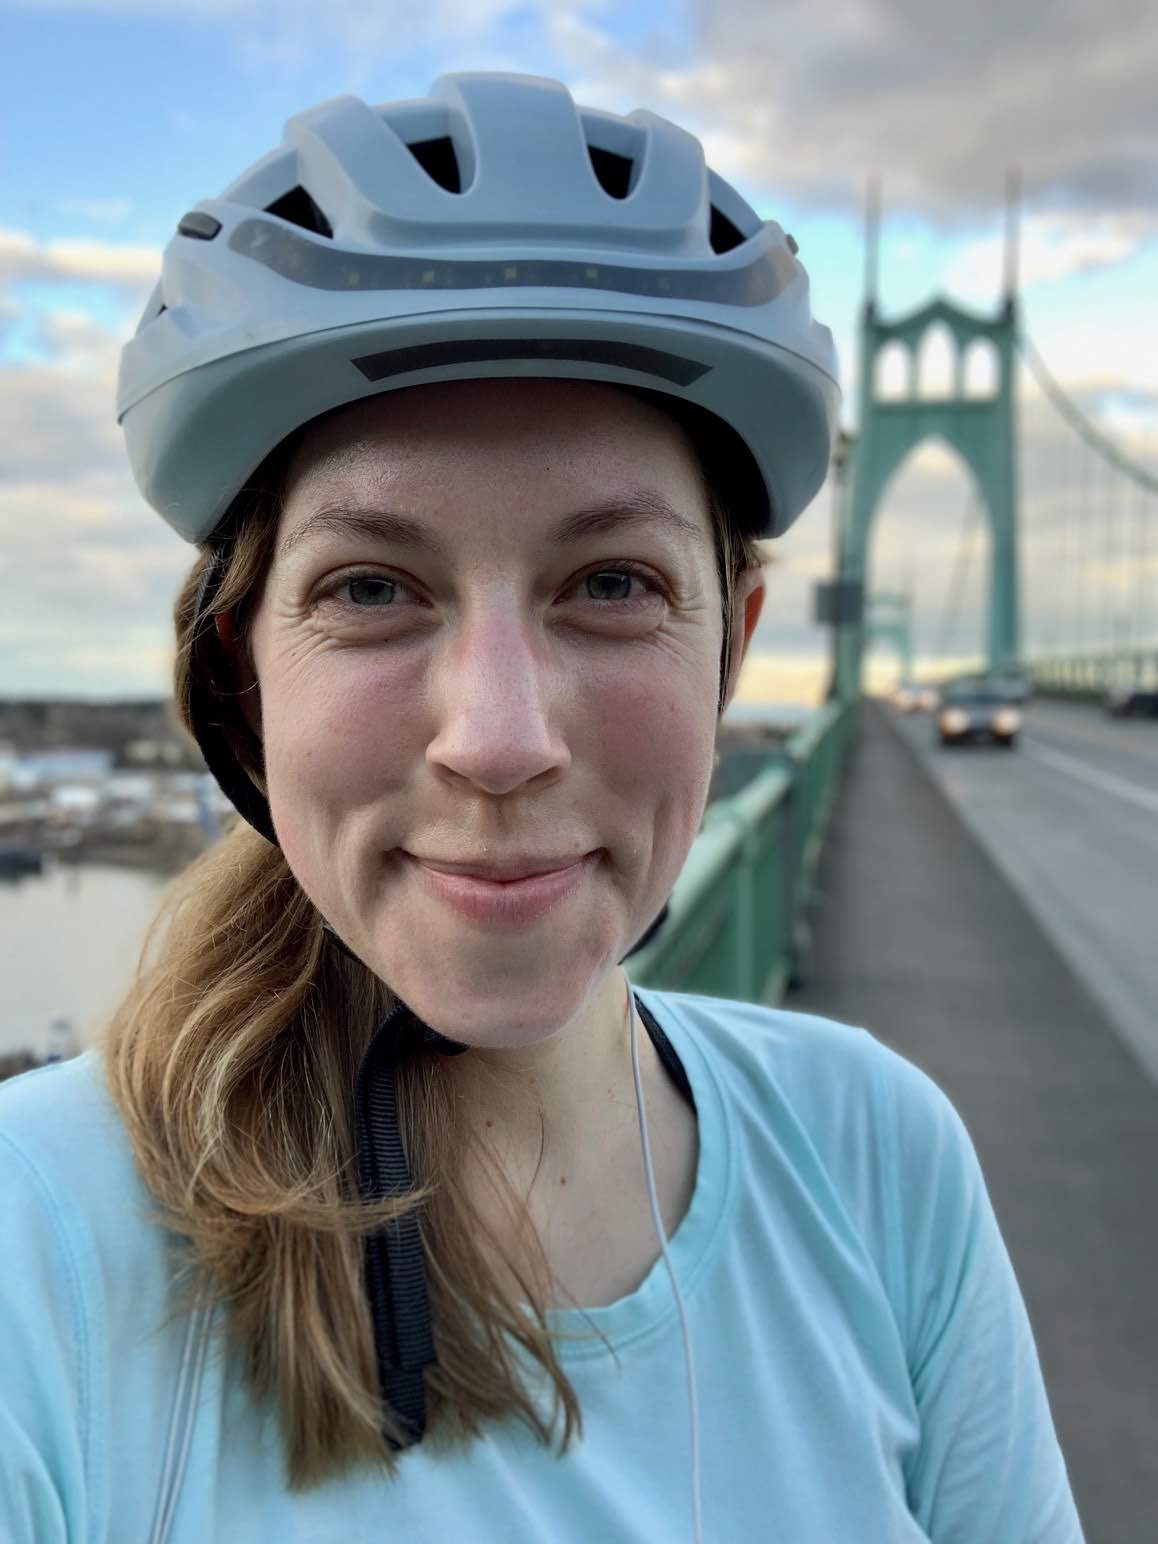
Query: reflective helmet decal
x=308, y=262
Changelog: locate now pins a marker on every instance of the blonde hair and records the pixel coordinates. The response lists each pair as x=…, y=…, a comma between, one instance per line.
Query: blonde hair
x=232, y=1060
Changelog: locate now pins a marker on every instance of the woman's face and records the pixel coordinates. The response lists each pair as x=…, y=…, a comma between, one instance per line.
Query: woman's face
x=490, y=635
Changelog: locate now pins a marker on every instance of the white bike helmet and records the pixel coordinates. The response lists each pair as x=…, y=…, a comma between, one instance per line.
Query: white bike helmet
x=494, y=228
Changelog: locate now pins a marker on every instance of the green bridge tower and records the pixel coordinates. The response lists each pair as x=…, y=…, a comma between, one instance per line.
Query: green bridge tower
x=981, y=428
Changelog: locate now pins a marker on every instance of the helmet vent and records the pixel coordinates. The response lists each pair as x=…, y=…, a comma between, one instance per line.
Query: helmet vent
x=613, y=171
x=723, y=235
x=298, y=208
x=438, y=160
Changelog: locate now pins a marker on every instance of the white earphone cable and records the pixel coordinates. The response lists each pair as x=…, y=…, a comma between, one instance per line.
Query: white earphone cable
x=693, y=1402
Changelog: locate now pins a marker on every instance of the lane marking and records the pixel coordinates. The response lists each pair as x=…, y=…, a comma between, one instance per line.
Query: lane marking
x=1116, y=735
x=1118, y=787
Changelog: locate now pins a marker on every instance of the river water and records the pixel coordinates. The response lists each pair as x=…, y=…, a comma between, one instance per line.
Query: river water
x=69, y=942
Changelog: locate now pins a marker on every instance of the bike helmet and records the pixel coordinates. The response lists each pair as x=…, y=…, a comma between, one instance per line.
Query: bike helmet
x=493, y=228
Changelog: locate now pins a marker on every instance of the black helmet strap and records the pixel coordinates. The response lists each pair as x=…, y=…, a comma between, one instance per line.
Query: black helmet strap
x=395, y=1269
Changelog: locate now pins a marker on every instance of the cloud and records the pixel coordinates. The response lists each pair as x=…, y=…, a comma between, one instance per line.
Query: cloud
x=68, y=335
x=59, y=414
x=88, y=576
x=87, y=572
x=10, y=314
x=1095, y=354
x=939, y=97
x=23, y=257
x=792, y=97
x=1054, y=246
x=77, y=342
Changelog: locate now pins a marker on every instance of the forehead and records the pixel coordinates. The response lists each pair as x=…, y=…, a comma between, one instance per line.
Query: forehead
x=520, y=451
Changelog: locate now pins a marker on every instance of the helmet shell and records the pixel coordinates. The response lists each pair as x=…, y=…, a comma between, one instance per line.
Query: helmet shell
x=493, y=229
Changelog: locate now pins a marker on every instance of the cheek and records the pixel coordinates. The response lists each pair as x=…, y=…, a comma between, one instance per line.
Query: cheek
x=338, y=739
x=656, y=738
x=668, y=724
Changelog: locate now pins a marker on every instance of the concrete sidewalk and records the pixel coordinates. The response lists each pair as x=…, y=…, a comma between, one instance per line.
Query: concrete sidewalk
x=920, y=939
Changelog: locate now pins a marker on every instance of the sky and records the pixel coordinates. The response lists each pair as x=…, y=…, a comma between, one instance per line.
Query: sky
x=117, y=115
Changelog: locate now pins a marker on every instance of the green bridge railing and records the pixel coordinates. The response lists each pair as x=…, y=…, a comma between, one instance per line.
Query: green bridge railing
x=734, y=924
x=1088, y=677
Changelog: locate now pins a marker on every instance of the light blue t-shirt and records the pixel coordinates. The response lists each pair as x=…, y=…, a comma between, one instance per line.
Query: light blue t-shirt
x=865, y=1367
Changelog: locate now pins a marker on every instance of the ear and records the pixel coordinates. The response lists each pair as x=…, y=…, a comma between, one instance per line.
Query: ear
x=241, y=674
x=747, y=604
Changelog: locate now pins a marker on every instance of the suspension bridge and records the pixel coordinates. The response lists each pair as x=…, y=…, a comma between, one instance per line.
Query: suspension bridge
x=993, y=917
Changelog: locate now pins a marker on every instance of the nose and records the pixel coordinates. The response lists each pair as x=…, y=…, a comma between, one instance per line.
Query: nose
x=495, y=691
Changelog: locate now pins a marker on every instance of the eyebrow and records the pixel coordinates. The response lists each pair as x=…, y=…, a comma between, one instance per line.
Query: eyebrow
x=624, y=511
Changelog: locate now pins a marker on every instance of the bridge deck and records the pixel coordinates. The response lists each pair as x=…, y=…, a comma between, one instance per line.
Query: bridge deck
x=920, y=939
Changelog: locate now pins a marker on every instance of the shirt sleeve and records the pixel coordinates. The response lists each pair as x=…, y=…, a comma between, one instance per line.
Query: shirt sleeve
x=42, y=1365
x=988, y=1468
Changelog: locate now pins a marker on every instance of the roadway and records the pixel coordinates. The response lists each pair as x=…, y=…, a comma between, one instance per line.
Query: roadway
x=1070, y=817
x=921, y=935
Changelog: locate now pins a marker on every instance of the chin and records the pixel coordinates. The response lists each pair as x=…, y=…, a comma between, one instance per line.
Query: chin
x=498, y=1004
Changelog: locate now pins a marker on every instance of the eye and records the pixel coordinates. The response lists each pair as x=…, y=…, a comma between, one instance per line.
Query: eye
x=365, y=592
x=616, y=578
x=369, y=589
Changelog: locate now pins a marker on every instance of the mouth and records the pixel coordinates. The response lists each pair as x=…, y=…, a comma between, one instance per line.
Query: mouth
x=503, y=900
x=503, y=871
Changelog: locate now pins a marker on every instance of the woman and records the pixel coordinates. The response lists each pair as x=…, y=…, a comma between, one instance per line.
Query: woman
x=357, y=1227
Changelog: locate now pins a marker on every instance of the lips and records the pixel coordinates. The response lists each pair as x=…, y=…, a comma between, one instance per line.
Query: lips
x=507, y=901
x=504, y=871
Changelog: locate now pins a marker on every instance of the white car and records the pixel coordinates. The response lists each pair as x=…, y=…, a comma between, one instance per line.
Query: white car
x=978, y=712
x=913, y=696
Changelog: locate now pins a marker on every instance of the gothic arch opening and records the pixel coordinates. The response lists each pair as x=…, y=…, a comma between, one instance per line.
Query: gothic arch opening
x=930, y=537
x=893, y=375
x=981, y=369
x=937, y=363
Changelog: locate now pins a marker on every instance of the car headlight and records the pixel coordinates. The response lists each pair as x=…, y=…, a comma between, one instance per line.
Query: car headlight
x=1007, y=721
x=954, y=721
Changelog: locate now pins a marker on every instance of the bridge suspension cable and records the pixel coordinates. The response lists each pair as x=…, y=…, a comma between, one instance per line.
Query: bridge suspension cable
x=951, y=604
x=1116, y=624
x=1079, y=421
